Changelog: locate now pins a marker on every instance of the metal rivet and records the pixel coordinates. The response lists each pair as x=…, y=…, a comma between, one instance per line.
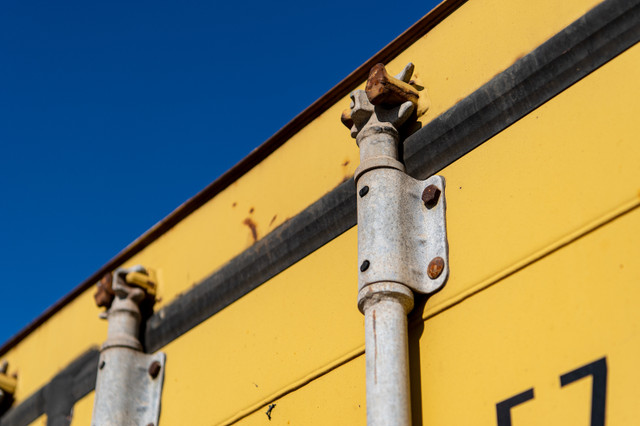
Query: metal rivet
x=102, y=365
x=436, y=266
x=364, y=191
x=430, y=196
x=154, y=369
x=364, y=266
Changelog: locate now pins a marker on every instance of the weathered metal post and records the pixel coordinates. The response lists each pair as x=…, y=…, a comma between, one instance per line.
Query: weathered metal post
x=402, y=245
x=129, y=383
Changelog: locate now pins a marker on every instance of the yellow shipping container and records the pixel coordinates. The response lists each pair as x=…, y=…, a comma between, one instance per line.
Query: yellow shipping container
x=529, y=111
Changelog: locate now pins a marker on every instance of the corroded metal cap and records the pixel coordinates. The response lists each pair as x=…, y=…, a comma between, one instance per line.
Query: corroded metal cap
x=104, y=292
x=386, y=99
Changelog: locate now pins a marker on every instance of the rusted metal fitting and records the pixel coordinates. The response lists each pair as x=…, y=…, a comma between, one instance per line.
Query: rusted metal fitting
x=435, y=268
x=154, y=369
x=104, y=292
x=141, y=278
x=430, y=196
x=383, y=89
x=397, y=98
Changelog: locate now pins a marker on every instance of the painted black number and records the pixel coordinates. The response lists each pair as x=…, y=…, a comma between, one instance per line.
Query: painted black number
x=504, y=408
x=598, y=370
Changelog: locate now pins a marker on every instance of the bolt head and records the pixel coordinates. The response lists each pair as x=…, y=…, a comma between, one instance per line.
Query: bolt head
x=435, y=268
x=154, y=369
x=104, y=293
x=430, y=196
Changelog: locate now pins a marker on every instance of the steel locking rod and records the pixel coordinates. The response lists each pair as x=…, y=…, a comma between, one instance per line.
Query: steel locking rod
x=402, y=244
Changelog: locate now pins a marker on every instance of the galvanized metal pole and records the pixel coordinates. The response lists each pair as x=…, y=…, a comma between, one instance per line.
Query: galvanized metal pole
x=385, y=307
x=401, y=233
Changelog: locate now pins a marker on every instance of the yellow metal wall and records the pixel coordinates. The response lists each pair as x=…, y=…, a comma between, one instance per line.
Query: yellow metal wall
x=532, y=192
x=540, y=322
x=302, y=326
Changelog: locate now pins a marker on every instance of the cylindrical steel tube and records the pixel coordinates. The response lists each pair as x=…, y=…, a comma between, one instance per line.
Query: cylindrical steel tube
x=124, y=321
x=385, y=308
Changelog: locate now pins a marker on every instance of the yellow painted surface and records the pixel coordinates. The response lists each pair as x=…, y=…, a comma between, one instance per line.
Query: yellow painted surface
x=82, y=411
x=566, y=165
x=518, y=195
x=568, y=309
x=451, y=60
x=53, y=345
x=336, y=398
x=479, y=40
x=277, y=335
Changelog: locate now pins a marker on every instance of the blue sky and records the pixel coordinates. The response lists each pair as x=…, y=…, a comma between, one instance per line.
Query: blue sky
x=113, y=113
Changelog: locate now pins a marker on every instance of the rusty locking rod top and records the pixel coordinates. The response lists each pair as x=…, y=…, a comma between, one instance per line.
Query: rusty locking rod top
x=384, y=89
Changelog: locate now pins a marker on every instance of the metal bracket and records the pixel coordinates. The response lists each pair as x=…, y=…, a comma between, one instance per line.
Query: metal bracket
x=131, y=381
x=402, y=232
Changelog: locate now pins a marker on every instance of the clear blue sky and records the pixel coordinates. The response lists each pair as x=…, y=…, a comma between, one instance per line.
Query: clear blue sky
x=113, y=113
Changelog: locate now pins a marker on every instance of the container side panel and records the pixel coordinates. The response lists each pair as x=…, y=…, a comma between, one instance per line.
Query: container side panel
x=452, y=61
x=55, y=344
x=545, y=322
x=522, y=191
x=565, y=166
x=566, y=311
x=336, y=398
x=301, y=322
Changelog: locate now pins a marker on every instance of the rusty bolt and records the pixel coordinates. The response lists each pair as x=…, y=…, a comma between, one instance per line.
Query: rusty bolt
x=154, y=369
x=383, y=89
x=364, y=191
x=104, y=294
x=364, y=266
x=430, y=196
x=435, y=267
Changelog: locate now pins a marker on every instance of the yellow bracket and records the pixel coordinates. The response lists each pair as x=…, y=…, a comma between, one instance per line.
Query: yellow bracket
x=146, y=282
x=8, y=383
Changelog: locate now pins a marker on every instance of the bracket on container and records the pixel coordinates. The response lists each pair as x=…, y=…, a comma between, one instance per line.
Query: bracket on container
x=402, y=236
x=402, y=231
x=129, y=383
